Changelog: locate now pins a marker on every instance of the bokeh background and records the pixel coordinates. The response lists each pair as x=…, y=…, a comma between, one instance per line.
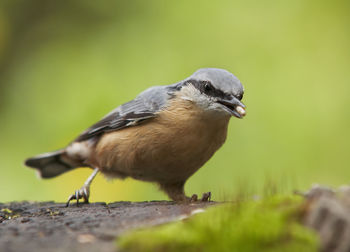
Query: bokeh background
x=65, y=64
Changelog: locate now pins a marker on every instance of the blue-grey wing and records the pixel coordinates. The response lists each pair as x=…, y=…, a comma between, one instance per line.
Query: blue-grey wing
x=144, y=107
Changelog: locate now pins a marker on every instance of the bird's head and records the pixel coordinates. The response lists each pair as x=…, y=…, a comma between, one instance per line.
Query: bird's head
x=215, y=90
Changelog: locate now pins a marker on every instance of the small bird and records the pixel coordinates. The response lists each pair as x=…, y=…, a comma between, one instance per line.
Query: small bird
x=164, y=135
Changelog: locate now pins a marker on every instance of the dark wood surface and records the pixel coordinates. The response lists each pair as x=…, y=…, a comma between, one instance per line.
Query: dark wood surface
x=49, y=226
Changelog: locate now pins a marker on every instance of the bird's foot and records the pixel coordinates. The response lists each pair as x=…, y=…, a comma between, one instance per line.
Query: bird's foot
x=205, y=197
x=82, y=193
x=194, y=198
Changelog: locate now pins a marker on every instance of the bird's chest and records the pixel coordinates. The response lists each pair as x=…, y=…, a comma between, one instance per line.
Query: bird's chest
x=193, y=139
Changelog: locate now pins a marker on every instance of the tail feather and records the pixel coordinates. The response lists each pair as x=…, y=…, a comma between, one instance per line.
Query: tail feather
x=50, y=164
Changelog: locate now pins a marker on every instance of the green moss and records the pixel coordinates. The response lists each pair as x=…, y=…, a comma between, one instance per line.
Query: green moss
x=8, y=214
x=271, y=224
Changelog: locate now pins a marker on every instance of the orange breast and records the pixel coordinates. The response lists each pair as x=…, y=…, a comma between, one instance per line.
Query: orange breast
x=168, y=148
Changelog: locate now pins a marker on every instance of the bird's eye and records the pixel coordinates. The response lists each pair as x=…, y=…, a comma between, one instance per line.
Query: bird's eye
x=240, y=96
x=208, y=87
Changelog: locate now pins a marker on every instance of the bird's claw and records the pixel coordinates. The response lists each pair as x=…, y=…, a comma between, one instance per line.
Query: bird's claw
x=82, y=193
x=206, y=197
x=194, y=198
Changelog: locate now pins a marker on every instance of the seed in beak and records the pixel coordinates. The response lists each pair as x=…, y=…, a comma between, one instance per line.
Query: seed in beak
x=240, y=110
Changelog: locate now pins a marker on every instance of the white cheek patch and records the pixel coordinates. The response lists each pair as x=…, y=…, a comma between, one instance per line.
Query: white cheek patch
x=191, y=93
x=80, y=150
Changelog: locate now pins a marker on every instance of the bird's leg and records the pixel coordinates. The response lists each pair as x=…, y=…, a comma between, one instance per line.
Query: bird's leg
x=176, y=192
x=84, y=191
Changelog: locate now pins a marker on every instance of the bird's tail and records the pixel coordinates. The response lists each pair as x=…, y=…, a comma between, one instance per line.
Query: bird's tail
x=51, y=164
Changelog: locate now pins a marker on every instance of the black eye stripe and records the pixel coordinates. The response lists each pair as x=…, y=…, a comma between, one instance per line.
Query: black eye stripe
x=207, y=88
x=210, y=90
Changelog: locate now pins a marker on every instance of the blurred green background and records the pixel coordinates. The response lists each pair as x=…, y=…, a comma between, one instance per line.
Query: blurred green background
x=65, y=64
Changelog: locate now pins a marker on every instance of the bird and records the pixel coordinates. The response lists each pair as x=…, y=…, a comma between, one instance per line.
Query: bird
x=163, y=136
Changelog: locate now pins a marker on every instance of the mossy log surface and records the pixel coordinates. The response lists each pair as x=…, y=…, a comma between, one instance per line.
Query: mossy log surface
x=49, y=226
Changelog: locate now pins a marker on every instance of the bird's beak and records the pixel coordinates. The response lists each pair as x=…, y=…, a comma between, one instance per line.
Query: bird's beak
x=234, y=106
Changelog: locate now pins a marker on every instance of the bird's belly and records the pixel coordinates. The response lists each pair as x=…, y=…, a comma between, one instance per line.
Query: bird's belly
x=160, y=152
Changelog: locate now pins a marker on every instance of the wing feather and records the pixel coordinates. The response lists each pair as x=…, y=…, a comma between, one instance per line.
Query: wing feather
x=144, y=107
